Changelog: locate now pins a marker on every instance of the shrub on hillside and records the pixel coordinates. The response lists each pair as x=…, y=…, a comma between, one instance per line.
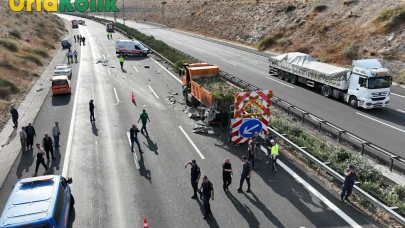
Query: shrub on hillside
x=269, y=41
x=289, y=8
x=319, y=8
x=16, y=33
x=7, y=64
x=7, y=88
x=39, y=51
x=9, y=44
x=351, y=51
x=389, y=19
x=31, y=58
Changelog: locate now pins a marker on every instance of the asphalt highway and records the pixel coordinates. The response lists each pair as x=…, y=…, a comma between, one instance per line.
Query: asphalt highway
x=114, y=187
x=383, y=127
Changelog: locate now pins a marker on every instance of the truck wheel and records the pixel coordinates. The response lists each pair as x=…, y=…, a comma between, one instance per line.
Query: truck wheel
x=281, y=75
x=326, y=91
x=353, y=102
x=293, y=79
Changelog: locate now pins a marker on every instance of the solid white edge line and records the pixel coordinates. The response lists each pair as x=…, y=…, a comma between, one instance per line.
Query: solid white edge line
x=381, y=122
x=135, y=68
x=192, y=143
x=72, y=124
x=108, y=69
x=399, y=110
x=135, y=157
x=332, y=206
x=280, y=82
x=228, y=62
x=153, y=92
x=168, y=71
x=398, y=95
x=116, y=95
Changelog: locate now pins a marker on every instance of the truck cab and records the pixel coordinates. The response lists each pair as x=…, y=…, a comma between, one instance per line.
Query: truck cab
x=369, y=85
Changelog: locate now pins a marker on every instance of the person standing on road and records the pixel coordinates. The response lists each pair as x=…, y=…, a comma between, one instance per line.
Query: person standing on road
x=350, y=176
x=30, y=130
x=251, y=150
x=108, y=35
x=274, y=154
x=70, y=56
x=227, y=174
x=80, y=40
x=83, y=40
x=144, y=117
x=245, y=174
x=40, y=160
x=14, y=116
x=207, y=192
x=121, y=60
x=23, y=140
x=195, y=176
x=134, y=138
x=56, y=134
x=91, y=107
x=47, y=144
x=75, y=55
x=74, y=38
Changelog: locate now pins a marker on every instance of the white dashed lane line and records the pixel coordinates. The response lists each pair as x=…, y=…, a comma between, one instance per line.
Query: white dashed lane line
x=153, y=92
x=192, y=143
x=368, y=117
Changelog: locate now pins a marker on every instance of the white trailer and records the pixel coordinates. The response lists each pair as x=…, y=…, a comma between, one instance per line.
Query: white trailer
x=366, y=85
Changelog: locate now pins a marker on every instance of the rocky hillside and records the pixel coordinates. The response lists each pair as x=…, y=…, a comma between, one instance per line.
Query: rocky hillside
x=27, y=42
x=334, y=31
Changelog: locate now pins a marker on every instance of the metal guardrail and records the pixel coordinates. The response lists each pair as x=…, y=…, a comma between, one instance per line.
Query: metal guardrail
x=364, y=144
x=323, y=165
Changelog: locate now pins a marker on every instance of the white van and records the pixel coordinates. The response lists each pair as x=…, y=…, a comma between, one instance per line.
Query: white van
x=130, y=47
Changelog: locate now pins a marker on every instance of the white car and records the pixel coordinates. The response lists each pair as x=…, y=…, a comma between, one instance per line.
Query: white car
x=63, y=69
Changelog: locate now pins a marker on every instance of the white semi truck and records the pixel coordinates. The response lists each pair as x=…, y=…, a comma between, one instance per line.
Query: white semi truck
x=366, y=85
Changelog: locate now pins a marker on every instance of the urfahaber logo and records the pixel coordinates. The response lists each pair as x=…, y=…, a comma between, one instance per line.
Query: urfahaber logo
x=63, y=5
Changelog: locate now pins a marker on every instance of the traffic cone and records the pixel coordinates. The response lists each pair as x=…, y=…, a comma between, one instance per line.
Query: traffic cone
x=133, y=98
x=145, y=223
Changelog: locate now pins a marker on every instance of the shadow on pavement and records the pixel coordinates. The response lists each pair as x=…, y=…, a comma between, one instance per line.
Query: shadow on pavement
x=94, y=128
x=60, y=100
x=26, y=162
x=151, y=145
x=211, y=221
x=72, y=217
x=143, y=171
x=12, y=136
x=245, y=211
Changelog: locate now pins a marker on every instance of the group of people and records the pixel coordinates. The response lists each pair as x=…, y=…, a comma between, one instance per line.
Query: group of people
x=70, y=56
x=134, y=130
x=109, y=35
x=271, y=146
x=80, y=39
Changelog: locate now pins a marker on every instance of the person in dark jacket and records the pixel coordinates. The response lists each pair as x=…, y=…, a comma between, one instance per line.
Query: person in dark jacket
x=30, y=130
x=40, y=160
x=47, y=144
x=134, y=137
x=227, y=174
x=83, y=40
x=14, y=116
x=91, y=108
x=350, y=177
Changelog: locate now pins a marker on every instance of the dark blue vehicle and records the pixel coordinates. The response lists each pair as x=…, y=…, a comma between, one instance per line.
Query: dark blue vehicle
x=39, y=202
x=65, y=44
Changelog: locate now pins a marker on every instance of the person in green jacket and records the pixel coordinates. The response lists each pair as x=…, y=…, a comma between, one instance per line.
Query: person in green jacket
x=144, y=117
x=121, y=59
x=274, y=155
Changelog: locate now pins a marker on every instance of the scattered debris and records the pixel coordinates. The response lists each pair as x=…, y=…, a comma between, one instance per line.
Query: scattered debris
x=146, y=66
x=149, y=80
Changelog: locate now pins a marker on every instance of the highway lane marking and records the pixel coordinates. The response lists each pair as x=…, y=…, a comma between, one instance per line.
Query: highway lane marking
x=380, y=122
x=72, y=124
x=135, y=157
x=280, y=82
x=398, y=95
x=168, y=71
x=153, y=92
x=251, y=60
x=332, y=206
x=135, y=68
x=228, y=62
x=108, y=69
x=400, y=111
x=192, y=143
x=116, y=95
x=199, y=50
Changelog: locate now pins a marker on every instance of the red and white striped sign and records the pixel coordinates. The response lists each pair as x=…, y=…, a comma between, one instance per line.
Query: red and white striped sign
x=262, y=100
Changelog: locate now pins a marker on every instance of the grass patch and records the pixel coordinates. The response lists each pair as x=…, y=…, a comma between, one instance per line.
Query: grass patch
x=39, y=51
x=319, y=8
x=351, y=51
x=7, y=88
x=289, y=8
x=401, y=78
x=9, y=45
x=32, y=58
x=390, y=19
x=269, y=41
x=7, y=64
x=16, y=33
